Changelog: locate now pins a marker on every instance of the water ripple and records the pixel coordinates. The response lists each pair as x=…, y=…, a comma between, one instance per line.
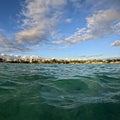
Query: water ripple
x=62, y=86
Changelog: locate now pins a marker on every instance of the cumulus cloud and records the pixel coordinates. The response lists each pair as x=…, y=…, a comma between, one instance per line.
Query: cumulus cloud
x=103, y=23
x=31, y=36
x=40, y=19
x=116, y=43
x=4, y=42
x=7, y=45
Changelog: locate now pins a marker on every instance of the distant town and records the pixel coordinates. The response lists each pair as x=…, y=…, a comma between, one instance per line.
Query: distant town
x=39, y=60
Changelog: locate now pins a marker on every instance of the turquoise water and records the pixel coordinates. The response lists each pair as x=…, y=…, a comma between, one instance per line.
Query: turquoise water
x=59, y=92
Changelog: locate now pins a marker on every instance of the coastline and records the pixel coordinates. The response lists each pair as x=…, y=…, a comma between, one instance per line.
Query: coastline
x=56, y=61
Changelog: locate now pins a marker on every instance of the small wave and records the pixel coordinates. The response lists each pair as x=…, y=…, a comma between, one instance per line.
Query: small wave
x=64, y=86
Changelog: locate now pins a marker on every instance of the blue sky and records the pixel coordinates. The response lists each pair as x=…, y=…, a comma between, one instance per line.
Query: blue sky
x=76, y=29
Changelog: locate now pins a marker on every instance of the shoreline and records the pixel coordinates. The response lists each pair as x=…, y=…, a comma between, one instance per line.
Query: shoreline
x=55, y=61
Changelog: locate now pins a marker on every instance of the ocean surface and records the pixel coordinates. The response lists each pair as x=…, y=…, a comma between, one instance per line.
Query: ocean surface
x=59, y=92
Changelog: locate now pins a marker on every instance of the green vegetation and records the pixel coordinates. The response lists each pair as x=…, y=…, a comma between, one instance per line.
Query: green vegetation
x=56, y=61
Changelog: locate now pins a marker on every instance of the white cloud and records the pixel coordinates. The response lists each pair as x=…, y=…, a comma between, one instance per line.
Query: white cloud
x=78, y=3
x=116, y=43
x=103, y=17
x=68, y=20
x=7, y=45
x=90, y=56
x=41, y=18
x=101, y=24
x=31, y=36
x=3, y=41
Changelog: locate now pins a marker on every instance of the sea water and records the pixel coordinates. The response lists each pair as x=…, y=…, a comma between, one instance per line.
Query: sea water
x=59, y=92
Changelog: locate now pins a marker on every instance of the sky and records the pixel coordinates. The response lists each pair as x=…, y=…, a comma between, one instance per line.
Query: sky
x=74, y=29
